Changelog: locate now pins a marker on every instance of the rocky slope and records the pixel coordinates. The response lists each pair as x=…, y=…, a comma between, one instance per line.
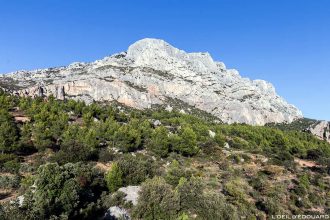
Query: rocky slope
x=152, y=72
x=321, y=129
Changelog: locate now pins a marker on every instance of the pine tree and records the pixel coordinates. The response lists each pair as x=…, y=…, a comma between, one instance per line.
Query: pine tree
x=8, y=132
x=186, y=142
x=114, y=178
x=159, y=141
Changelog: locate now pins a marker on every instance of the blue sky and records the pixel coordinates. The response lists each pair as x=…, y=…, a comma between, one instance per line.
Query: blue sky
x=286, y=42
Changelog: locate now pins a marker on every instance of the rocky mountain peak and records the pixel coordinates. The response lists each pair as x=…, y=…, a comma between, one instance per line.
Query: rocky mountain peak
x=152, y=72
x=160, y=55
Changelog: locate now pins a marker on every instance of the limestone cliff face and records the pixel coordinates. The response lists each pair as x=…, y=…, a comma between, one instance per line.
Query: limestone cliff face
x=321, y=129
x=152, y=72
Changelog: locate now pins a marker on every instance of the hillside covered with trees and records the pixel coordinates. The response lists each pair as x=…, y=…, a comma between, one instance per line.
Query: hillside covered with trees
x=68, y=160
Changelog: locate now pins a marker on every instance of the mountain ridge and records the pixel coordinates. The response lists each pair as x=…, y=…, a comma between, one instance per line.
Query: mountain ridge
x=150, y=72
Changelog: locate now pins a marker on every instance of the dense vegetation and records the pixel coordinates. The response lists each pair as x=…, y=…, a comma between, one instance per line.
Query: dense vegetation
x=298, y=125
x=67, y=160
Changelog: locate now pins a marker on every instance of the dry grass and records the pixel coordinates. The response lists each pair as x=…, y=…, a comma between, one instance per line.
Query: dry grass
x=306, y=163
x=19, y=116
x=7, y=195
x=103, y=166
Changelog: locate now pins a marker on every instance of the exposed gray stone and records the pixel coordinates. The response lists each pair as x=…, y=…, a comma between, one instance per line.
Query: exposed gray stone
x=151, y=72
x=321, y=129
x=116, y=213
x=212, y=134
x=132, y=193
x=169, y=108
x=157, y=123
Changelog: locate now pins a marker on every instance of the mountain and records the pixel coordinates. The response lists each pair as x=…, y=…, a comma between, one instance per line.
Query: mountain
x=152, y=72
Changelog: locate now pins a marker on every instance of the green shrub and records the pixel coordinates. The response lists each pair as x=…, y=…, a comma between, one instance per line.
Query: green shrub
x=128, y=139
x=220, y=139
x=8, y=132
x=41, y=136
x=12, y=166
x=10, y=182
x=300, y=190
x=112, y=199
x=235, y=158
x=159, y=142
x=6, y=157
x=114, y=178
x=259, y=183
x=61, y=190
x=27, y=182
x=236, y=188
x=185, y=143
x=106, y=155
x=157, y=200
x=271, y=207
x=304, y=181
x=175, y=173
x=239, y=143
x=82, y=141
x=136, y=169
x=211, y=205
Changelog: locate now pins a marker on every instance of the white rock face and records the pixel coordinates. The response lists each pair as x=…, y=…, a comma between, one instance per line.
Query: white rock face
x=212, y=134
x=321, y=130
x=154, y=72
x=132, y=193
x=116, y=213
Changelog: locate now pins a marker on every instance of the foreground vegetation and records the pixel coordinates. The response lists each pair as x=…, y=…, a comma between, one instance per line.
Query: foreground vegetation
x=67, y=160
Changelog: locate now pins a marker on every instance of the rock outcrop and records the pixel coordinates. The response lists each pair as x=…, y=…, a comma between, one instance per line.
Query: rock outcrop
x=132, y=193
x=116, y=213
x=321, y=129
x=152, y=72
